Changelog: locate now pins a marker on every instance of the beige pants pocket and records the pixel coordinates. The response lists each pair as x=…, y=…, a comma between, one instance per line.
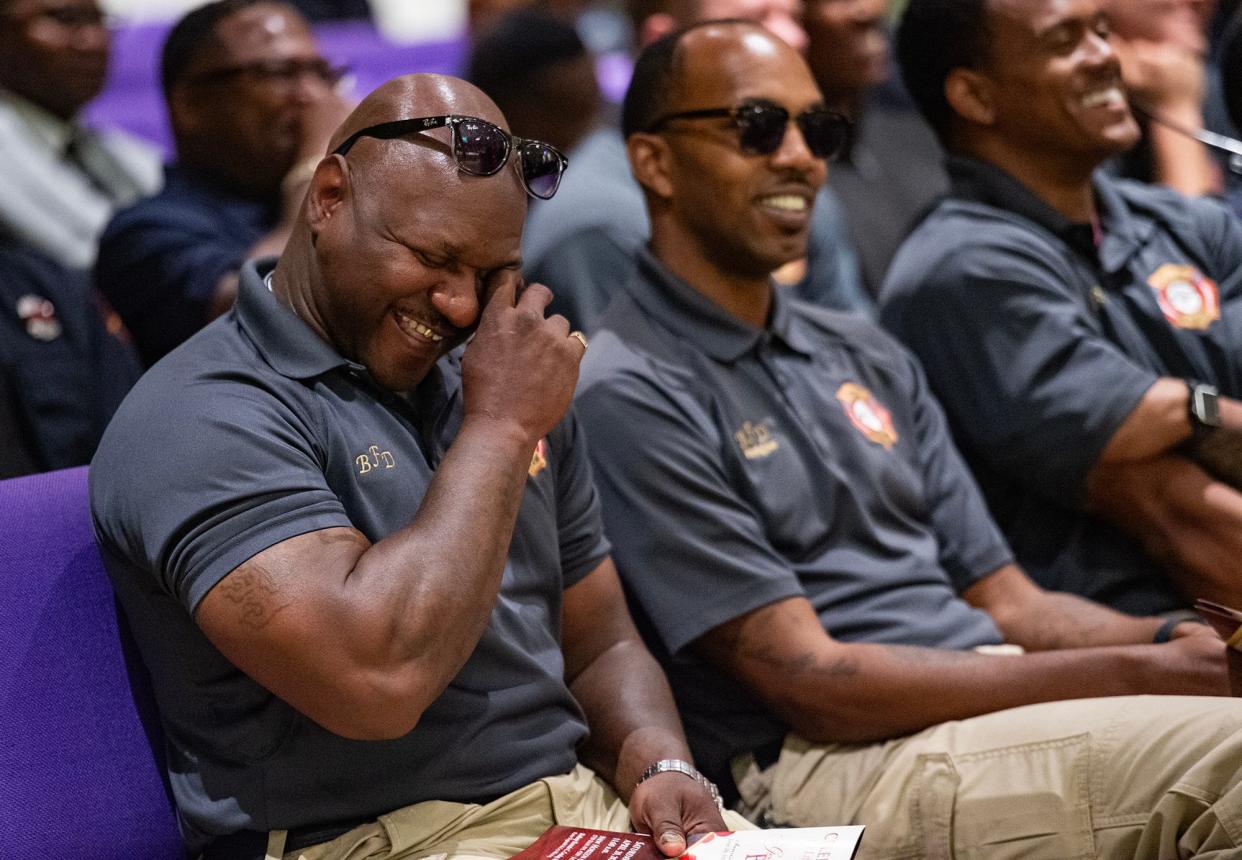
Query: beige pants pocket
x=1024, y=802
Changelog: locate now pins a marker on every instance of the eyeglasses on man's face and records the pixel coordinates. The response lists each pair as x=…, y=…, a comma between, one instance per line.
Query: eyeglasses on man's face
x=761, y=127
x=65, y=17
x=276, y=72
x=480, y=148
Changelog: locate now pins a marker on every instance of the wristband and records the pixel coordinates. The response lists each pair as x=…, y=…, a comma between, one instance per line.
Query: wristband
x=666, y=765
x=1166, y=630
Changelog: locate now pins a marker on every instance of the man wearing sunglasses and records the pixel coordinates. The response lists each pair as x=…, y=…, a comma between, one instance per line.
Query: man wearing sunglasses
x=584, y=244
x=809, y=553
x=363, y=562
x=252, y=103
x=61, y=179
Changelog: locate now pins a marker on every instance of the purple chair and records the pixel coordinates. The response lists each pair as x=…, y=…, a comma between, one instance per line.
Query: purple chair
x=81, y=754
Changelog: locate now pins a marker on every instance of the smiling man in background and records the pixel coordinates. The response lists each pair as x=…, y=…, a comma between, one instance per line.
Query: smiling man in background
x=1082, y=332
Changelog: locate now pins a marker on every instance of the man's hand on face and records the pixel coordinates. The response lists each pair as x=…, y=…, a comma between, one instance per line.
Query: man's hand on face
x=1162, y=75
x=520, y=369
x=671, y=807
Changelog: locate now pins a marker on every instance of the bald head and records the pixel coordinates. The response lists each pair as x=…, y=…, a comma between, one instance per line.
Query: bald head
x=395, y=244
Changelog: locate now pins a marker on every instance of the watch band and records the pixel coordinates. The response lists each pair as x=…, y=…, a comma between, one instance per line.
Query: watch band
x=666, y=765
x=1203, y=409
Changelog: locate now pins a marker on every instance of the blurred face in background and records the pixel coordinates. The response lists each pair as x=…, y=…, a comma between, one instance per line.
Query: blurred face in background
x=847, y=48
x=781, y=17
x=53, y=52
x=241, y=106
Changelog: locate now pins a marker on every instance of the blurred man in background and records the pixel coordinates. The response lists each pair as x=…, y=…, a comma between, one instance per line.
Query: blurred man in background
x=252, y=103
x=60, y=180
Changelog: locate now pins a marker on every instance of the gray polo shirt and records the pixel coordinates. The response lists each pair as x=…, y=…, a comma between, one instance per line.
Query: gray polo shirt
x=255, y=431
x=1041, y=336
x=739, y=466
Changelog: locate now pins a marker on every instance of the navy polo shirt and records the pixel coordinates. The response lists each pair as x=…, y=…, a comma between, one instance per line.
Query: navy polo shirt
x=1040, y=343
x=739, y=466
x=65, y=364
x=254, y=431
x=161, y=259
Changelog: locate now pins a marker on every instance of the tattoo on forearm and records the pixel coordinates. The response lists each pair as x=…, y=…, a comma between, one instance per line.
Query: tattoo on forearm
x=801, y=666
x=252, y=589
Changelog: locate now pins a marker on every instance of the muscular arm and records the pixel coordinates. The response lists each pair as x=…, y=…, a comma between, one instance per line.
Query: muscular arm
x=362, y=638
x=832, y=691
x=630, y=711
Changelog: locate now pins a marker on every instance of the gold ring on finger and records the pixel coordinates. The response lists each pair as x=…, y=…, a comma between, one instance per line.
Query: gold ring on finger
x=580, y=337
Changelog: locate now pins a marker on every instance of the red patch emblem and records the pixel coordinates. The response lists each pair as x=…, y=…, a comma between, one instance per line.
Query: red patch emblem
x=539, y=459
x=867, y=414
x=1187, y=298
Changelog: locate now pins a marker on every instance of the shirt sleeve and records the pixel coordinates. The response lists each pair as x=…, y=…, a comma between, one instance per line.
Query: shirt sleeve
x=1019, y=363
x=189, y=495
x=689, y=549
x=579, y=528
x=159, y=267
x=971, y=545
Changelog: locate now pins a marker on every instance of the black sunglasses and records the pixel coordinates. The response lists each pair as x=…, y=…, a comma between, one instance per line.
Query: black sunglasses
x=481, y=148
x=761, y=127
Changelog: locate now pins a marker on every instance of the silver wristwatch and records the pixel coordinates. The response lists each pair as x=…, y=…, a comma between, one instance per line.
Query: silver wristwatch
x=665, y=765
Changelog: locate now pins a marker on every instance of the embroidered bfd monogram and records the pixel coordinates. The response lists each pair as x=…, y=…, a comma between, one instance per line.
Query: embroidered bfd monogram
x=539, y=459
x=867, y=414
x=1187, y=298
x=755, y=440
x=374, y=459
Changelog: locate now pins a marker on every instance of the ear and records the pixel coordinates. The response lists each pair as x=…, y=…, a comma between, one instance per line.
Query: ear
x=970, y=94
x=329, y=186
x=183, y=114
x=649, y=162
x=655, y=26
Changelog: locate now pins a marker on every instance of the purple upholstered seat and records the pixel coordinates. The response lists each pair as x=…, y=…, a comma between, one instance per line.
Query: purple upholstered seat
x=80, y=767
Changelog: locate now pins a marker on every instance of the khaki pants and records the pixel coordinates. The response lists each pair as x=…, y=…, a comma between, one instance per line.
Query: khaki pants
x=500, y=829
x=1143, y=777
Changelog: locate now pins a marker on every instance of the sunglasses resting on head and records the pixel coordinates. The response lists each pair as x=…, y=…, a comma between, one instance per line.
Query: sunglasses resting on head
x=480, y=148
x=761, y=126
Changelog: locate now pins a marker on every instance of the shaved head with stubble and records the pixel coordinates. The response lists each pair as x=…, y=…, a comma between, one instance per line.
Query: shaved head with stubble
x=396, y=249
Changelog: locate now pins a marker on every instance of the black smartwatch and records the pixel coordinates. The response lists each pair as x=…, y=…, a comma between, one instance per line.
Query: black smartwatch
x=1203, y=409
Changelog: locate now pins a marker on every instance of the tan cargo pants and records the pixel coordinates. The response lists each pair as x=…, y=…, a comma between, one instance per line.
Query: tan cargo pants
x=438, y=830
x=1143, y=777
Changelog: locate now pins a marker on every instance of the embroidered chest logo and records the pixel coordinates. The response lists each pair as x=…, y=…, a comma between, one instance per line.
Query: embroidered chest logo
x=755, y=440
x=1187, y=298
x=539, y=459
x=867, y=414
x=39, y=315
x=374, y=459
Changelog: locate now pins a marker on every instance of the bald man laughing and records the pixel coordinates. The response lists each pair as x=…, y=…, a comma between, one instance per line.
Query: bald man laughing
x=364, y=562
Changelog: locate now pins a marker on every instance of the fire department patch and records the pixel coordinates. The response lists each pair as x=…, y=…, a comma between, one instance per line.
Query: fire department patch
x=539, y=459
x=1187, y=298
x=867, y=414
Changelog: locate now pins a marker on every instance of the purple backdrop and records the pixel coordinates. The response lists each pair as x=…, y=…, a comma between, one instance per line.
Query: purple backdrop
x=133, y=101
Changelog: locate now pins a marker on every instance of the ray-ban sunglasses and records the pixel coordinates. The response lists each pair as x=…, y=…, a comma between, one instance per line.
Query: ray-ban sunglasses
x=480, y=148
x=761, y=127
